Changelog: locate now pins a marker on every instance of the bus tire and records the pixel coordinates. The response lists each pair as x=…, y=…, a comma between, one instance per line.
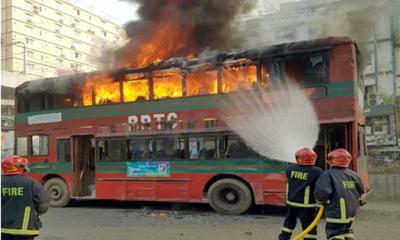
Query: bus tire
x=58, y=192
x=229, y=196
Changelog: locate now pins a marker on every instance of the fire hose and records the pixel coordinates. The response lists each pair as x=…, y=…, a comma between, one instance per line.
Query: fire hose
x=311, y=226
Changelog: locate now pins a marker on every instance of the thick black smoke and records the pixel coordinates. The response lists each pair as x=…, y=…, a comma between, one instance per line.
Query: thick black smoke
x=210, y=21
x=357, y=19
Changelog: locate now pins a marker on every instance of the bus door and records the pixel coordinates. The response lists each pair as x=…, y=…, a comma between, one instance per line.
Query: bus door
x=332, y=136
x=83, y=149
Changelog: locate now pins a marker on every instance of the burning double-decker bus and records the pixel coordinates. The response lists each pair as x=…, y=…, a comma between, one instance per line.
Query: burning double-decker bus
x=155, y=133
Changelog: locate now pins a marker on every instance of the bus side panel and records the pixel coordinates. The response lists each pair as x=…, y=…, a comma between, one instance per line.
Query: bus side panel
x=274, y=186
x=342, y=63
x=118, y=186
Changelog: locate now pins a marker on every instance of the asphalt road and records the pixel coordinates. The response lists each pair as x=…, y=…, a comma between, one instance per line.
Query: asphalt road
x=164, y=221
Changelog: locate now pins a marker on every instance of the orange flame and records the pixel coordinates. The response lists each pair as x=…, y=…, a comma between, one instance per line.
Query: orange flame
x=167, y=40
x=238, y=78
x=104, y=89
x=167, y=84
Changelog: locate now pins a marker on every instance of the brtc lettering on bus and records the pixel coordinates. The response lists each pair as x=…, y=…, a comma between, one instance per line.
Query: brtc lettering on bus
x=145, y=119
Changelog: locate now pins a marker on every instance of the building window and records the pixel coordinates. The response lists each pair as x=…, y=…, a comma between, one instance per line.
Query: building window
x=78, y=12
x=60, y=17
x=105, y=34
x=36, y=9
x=77, y=55
x=29, y=41
x=59, y=39
x=60, y=51
x=40, y=145
x=29, y=54
x=29, y=67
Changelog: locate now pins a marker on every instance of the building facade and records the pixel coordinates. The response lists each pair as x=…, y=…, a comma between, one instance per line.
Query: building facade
x=46, y=38
x=379, y=44
x=9, y=81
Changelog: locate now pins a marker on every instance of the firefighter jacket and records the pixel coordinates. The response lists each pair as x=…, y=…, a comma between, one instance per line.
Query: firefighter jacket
x=22, y=200
x=340, y=188
x=300, y=185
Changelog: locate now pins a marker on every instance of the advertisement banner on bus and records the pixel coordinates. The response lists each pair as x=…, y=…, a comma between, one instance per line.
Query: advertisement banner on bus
x=148, y=169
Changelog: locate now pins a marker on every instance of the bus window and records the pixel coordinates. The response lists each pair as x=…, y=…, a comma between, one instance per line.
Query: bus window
x=63, y=150
x=265, y=76
x=22, y=146
x=167, y=84
x=40, y=145
x=35, y=103
x=236, y=148
x=136, y=88
x=112, y=149
x=22, y=105
x=169, y=148
x=139, y=149
x=307, y=69
x=204, y=147
x=238, y=77
x=201, y=82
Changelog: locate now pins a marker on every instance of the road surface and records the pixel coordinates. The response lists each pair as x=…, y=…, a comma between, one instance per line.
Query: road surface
x=165, y=221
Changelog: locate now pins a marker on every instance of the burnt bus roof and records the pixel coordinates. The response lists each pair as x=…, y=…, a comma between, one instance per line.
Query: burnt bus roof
x=71, y=81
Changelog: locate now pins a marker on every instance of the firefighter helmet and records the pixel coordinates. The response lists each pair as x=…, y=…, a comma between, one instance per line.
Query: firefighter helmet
x=339, y=158
x=305, y=156
x=13, y=165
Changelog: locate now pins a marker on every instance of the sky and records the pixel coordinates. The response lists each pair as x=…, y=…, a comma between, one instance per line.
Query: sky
x=117, y=11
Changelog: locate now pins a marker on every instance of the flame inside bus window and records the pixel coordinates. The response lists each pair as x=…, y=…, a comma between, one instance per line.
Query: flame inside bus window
x=265, y=76
x=201, y=82
x=239, y=77
x=136, y=88
x=102, y=89
x=167, y=84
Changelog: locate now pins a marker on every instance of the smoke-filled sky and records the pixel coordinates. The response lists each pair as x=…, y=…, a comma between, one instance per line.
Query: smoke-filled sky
x=122, y=12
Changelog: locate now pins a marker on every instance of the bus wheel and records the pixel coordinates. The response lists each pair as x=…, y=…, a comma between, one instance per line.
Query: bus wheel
x=58, y=192
x=229, y=196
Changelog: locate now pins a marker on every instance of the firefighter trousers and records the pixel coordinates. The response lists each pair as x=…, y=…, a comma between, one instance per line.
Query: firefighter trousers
x=339, y=231
x=306, y=216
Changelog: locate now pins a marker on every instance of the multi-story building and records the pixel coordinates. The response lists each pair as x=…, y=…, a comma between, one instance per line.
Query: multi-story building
x=8, y=83
x=45, y=38
x=380, y=49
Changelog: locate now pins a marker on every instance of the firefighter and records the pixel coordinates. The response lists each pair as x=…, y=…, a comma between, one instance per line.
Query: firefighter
x=339, y=188
x=22, y=200
x=299, y=198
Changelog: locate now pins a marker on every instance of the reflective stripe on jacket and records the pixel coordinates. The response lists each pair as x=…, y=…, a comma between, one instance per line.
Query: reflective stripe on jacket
x=340, y=188
x=300, y=185
x=20, y=198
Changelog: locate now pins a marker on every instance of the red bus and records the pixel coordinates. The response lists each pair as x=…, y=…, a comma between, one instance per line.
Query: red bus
x=155, y=134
